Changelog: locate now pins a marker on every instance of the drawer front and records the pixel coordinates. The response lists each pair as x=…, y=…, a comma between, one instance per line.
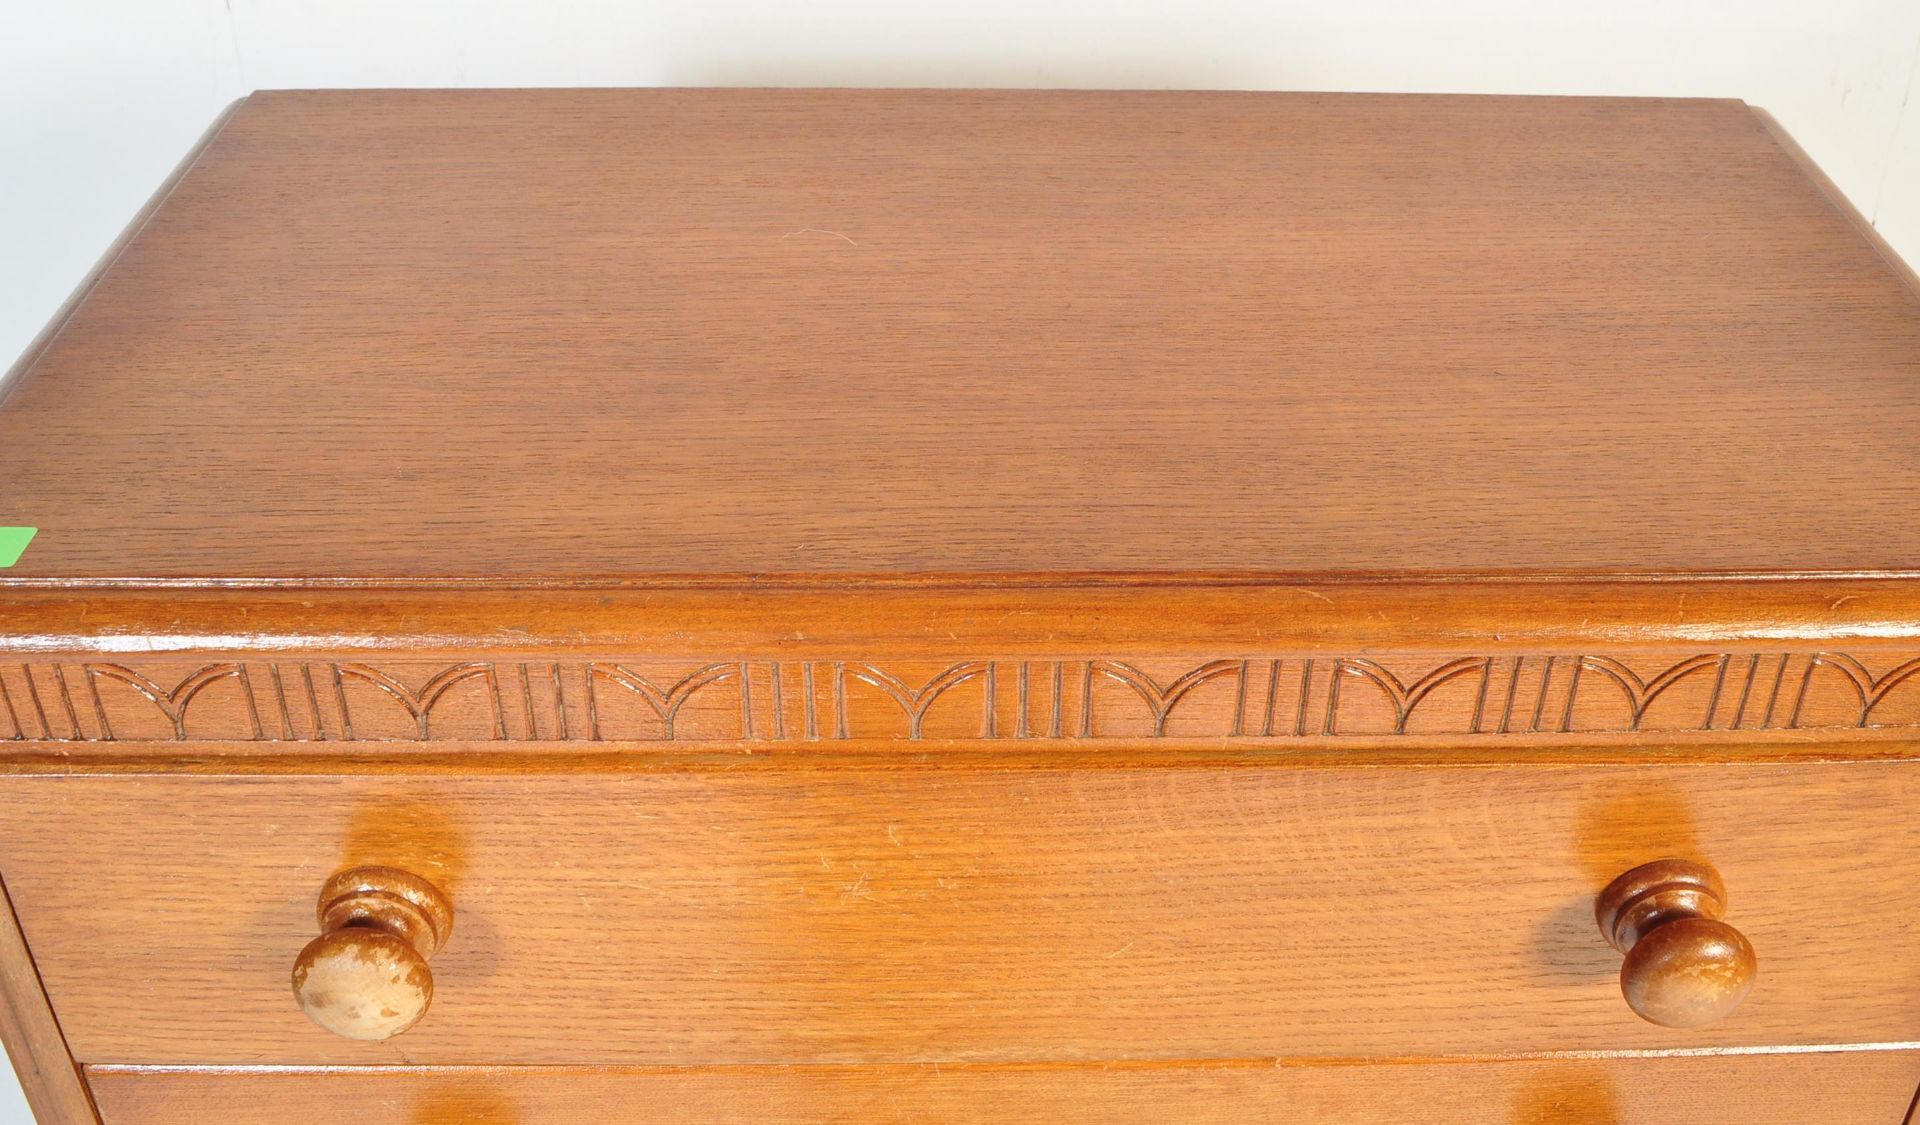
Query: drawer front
x=870, y=915
x=1858, y=1088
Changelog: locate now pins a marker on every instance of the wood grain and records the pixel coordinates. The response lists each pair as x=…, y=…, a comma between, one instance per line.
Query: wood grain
x=1860, y=1088
x=1200, y=616
x=875, y=915
x=1861, y=223
x=470, y=334
x=1529, y=699
x=48, y=1077
x=970, y=540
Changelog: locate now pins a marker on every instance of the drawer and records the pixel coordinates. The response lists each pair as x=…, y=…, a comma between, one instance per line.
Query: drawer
x=936, y=914
x=1858, y=1088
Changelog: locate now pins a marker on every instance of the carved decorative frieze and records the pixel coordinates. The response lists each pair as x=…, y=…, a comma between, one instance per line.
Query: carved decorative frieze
x=1263, y=698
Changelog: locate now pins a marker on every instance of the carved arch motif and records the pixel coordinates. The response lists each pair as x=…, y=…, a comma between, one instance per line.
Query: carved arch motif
x=1641, y=693
x=664, y=702
x=1405, y=696
x=419, y=704
x=1162, y=700
x=172, y=702
x=915, y=701
x=1868, y=688
x=1270, y=698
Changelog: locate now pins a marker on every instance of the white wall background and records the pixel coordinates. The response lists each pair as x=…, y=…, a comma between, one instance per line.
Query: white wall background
x=99, y=98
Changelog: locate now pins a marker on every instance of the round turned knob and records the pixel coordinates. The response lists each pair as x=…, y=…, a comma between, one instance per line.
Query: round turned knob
x=1684, y=966
x=365, y=976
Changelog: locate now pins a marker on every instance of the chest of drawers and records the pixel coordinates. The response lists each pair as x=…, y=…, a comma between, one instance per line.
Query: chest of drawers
x=595, y=606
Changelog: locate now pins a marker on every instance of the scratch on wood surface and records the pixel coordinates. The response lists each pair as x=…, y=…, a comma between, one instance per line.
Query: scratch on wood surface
x=817, y=230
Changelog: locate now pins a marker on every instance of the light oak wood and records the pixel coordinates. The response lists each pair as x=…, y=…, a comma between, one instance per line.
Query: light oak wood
x=1080, y=582
x=1862, y=225
x=463, y=334
x=943, y=915
x=1719, y=701
x=1861, y=1088
x=48, y=1078
x=1684, y=966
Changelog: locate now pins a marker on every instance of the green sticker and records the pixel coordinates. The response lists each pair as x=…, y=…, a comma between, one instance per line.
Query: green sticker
x=13, y=543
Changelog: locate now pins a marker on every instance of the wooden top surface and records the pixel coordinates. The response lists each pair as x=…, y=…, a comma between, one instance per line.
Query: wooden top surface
x=646, y=335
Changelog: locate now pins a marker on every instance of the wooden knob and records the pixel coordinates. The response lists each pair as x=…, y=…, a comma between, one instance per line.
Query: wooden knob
x=366, y=976
x=1684, y=966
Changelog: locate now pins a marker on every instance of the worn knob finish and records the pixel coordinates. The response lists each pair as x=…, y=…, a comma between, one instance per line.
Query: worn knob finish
x=1685, y=967
x=366, y=975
